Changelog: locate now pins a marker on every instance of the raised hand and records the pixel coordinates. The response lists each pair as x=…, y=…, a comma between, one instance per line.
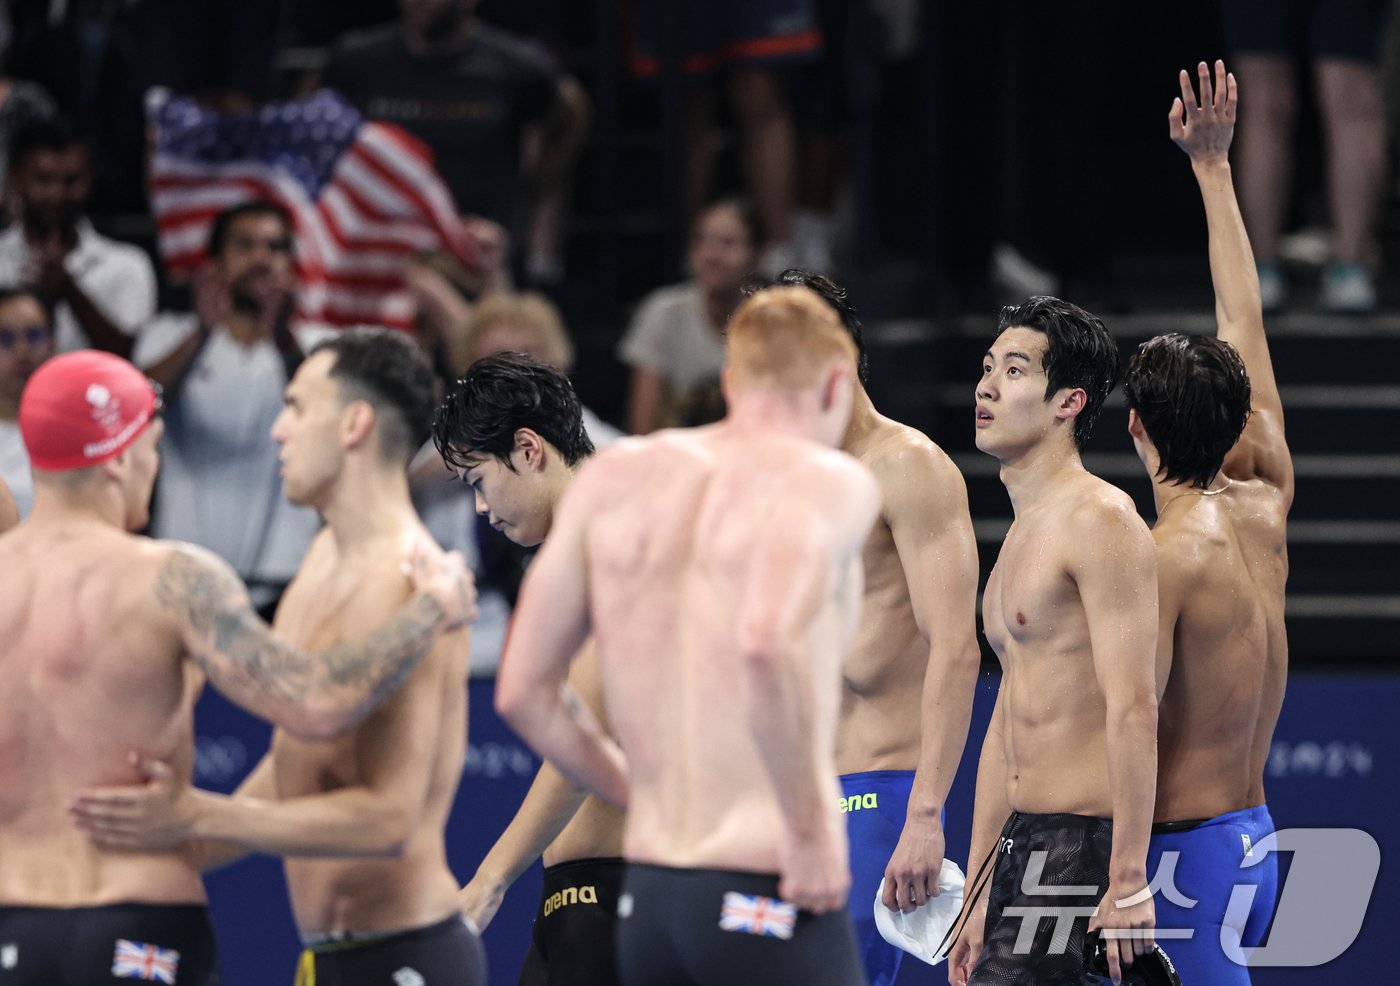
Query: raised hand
x=1204, y=128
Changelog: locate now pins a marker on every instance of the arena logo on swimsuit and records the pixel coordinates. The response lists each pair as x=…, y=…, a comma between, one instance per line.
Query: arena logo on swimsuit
x=858, y=801
x=571, y=895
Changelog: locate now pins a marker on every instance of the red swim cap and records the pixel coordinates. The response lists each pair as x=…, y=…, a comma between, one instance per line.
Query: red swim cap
x=82, y=408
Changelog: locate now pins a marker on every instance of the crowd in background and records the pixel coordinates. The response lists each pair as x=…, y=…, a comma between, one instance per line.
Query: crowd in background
x=771, y=144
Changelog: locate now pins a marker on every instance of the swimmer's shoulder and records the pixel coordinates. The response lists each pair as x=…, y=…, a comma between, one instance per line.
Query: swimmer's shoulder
x=902, y=458
x=1095, y=508
x=626, y=462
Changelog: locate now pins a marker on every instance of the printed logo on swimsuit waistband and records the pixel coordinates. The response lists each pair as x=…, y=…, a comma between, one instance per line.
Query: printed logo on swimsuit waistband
x=570, y=895
x=858, y=801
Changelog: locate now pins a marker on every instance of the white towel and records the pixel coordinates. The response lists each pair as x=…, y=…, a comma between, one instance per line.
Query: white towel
x=921, y=931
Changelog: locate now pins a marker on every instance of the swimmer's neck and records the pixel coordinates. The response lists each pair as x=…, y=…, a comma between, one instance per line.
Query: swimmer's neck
x=1037, y=474
x=1165, y=492
x=57, y=505
x=864, y=420
x=368, y=504
x=765, y=411
x=561, y=486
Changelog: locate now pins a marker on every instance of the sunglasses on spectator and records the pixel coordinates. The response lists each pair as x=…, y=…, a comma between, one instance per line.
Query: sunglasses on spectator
x=33, y=336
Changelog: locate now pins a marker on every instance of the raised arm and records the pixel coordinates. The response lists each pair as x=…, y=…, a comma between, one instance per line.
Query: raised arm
x=799, y=573
x=926, y=508
x=1115, y=568
x=549, y=806
x=1204, y=130
x=310, y=694
x=550, y=624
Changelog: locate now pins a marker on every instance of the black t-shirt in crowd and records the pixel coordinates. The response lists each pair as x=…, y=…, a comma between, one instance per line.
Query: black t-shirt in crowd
x=470, y=106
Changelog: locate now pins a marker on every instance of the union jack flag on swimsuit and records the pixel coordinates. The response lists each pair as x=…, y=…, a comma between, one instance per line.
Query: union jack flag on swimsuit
x=758, y=915
x=364, y=195
x=137, y=960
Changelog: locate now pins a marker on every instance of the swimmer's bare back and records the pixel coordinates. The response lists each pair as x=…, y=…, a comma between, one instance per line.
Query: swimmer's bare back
x=105, y=641
x=1223, y=553
x=684, y=533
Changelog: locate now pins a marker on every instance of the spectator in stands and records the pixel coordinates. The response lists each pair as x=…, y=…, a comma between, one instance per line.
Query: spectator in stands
x=1344, y=43
x=26, y=340
x=102, y=292
x=525, y=323
x=751, y=44
x=224, y=368
x=504, y=122
x=675, y=345
x=21, y=103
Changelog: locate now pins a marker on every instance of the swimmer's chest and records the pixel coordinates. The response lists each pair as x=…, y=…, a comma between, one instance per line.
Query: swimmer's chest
x=1030, y=597
x=320, y=601
x=313, y=616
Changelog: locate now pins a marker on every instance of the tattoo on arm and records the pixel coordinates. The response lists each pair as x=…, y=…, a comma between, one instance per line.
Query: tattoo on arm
x=251, y=665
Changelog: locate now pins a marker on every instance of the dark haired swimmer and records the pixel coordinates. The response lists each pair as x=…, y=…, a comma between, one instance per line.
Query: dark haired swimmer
x=907, y=682
x=514, y=429
x=360, y=817
x=1223, y=484
x=91, y=612
x=1069, y=761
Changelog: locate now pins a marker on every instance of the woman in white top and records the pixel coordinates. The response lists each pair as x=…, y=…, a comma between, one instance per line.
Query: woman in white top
x=675, y=344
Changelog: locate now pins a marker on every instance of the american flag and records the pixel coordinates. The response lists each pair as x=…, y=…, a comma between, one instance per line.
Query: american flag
x=758, y=915
x=137, y=960
x=364, y=196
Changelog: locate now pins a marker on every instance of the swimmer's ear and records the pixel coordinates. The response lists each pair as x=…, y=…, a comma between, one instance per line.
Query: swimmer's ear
x=1135, y=427
x=837, y=376
x=531, y=447
x=1070, y=403
x=356, y=422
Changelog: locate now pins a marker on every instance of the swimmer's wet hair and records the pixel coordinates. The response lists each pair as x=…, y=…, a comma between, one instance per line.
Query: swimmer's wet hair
x=1191, y=394
x=388, y=370
x=1079, y=353
x=498, y=396
x=834, y=295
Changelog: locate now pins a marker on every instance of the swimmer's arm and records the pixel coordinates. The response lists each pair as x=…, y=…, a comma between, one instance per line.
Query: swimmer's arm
x=1262, y=451
x=1174, y=574
x=210, y=854
x=990, y=810
x=793, y=573
x=646, y=393
x=991, y=805
x=310, y=694
x=165, y=813
x=926, y=507
x=1114, y=565
x=394, y=751
x=550, y=625
x=549, y=806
